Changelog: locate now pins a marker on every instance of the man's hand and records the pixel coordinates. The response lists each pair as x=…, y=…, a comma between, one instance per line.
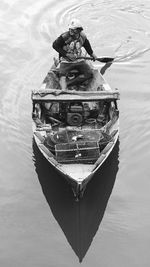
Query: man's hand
x=71, y=56
x=94, y=56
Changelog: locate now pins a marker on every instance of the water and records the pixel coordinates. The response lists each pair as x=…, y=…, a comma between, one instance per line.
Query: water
x=40, y=223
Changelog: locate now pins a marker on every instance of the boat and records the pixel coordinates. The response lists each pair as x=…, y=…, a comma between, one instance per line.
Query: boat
x=77, y=128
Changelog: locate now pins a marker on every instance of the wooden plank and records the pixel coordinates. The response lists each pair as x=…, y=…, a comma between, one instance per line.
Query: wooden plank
x=59, y=95
x=99, y=161
x=39, y=136
x=46, y=151
x=107, y=148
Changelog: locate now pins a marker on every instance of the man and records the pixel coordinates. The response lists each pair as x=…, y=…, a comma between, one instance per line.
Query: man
x=69, y=45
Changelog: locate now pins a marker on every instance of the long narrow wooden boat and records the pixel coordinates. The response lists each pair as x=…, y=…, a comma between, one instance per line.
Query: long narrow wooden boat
x=75, y=129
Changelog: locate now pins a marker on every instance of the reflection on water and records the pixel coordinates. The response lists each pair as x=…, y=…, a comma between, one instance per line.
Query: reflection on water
x=78, y=220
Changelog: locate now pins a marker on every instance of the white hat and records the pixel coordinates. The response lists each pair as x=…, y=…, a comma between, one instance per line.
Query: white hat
x=75, y=24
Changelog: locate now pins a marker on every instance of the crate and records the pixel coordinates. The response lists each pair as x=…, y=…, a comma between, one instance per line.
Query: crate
x=77, y=152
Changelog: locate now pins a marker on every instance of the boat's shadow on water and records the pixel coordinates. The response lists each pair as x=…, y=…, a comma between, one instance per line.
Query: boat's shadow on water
x=78, y=220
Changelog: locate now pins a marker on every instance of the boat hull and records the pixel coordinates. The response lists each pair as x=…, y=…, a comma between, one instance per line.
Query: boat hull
x=75, y=174
x=88, y=130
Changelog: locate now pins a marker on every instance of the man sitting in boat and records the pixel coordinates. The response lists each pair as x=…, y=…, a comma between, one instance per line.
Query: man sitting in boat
x=69, y=45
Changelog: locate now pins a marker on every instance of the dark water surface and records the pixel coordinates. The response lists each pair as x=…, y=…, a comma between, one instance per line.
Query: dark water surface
x=40, y=223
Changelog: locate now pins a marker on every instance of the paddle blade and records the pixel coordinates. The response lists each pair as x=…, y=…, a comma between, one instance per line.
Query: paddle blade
x=105, y=59
x=100, y=59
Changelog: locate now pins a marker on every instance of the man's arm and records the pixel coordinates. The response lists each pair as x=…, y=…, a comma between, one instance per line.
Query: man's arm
x=58, y=46
x=89, y=49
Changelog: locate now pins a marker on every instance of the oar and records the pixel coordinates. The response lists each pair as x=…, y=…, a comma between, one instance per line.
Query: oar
x=100, y=59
